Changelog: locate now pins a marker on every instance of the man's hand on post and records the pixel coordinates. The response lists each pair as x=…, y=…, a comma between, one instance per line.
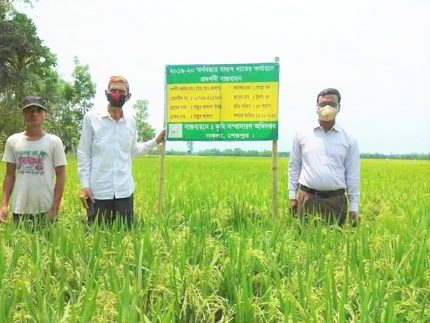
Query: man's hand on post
x=161, y=136
x=354, y=218
x=85, y=195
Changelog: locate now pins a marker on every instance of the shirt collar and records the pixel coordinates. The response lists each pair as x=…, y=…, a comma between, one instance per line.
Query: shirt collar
x=105, y=114
x=336, y=126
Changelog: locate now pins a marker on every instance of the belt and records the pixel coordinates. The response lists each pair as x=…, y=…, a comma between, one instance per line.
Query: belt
x=321, y=193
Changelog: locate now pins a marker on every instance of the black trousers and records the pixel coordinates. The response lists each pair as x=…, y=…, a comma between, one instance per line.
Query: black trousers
x=107, y=211
x=332, y=209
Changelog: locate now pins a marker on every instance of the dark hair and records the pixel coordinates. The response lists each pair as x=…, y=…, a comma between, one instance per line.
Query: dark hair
x=329, y=91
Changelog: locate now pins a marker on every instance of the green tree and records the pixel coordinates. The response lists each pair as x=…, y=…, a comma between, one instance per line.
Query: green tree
x=24, y=60
x=26, y=66
x=84, y=89
x=144, y=129
x=73, y=101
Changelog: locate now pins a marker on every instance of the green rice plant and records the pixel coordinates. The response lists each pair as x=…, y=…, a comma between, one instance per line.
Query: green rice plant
x=217, y=254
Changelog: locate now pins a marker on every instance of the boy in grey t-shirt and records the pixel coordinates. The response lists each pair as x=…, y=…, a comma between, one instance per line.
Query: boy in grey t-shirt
x=33, y=158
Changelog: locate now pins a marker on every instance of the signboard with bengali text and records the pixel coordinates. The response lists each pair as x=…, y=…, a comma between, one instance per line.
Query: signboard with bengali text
x=231, y=102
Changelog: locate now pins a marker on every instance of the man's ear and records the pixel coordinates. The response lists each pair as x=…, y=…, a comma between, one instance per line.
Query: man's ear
x=128, y=97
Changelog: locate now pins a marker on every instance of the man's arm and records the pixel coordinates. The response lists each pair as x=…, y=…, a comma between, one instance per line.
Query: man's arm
x=8, y=184
x=352, y=175
x=84, y=153
x=60, y=179
x=84, y=161
x=140, y=148
x=294, y=170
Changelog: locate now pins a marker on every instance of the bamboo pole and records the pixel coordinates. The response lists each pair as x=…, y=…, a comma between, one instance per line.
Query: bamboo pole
x=162, y=177
x=163, y=152
x=275, y=178
x=275, y=167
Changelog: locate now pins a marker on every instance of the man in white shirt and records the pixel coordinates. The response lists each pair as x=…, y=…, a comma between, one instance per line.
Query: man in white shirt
x=324, y=166
x=33, y=158
x=106, y=147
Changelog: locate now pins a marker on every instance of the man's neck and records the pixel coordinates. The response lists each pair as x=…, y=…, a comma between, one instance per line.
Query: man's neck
x=34, y=133
x=327, y=125
x=115, y=112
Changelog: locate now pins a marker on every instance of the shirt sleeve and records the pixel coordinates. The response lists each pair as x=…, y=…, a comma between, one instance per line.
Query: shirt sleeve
x=9, y=155
x=352, y=175
x=84, y=152
x=144, y=147
x=294, y=167
x=59, y=156
x=140, y=148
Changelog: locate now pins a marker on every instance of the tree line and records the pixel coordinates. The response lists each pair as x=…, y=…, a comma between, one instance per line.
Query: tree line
x=237, y=152
x=28, y=67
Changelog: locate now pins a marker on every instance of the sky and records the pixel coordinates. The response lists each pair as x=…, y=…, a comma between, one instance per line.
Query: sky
x=375, y=52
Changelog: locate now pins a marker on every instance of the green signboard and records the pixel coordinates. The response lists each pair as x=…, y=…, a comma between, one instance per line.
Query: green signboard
x=222, y=102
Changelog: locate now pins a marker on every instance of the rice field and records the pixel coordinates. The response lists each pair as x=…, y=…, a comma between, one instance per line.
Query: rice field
x=216, y=254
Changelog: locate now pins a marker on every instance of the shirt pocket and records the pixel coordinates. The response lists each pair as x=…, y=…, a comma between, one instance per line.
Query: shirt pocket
x=125, y=138
x=104, y=136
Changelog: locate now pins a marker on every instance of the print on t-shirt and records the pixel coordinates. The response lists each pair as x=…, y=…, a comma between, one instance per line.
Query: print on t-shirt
x=31, y=162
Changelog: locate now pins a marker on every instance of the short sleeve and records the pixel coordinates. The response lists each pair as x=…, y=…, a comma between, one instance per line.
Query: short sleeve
x=58, y=156
x=9, y=152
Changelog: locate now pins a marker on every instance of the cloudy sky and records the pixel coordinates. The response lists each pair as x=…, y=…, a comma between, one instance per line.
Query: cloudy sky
x=376, y=52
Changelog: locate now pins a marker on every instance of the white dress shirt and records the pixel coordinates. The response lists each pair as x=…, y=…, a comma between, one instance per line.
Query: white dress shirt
x=325, y=161
x=105, y=152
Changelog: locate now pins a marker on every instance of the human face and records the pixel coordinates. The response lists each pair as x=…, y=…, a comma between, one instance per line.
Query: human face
x=34, y=116
x=328, y=99
x=117, y=95
x=118, y=87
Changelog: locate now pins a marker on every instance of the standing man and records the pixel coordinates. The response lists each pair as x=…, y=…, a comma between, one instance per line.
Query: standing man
x=324, y=165
x=106, y=147
x=33, y=158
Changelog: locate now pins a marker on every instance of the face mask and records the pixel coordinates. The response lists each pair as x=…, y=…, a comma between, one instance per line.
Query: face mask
x=116, y=99
x=327, y=113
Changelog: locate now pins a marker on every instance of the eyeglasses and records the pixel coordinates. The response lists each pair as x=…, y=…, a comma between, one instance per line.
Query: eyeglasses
x=332, y=104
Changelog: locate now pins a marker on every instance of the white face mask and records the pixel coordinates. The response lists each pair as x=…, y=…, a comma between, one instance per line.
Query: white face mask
x=327, y=113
